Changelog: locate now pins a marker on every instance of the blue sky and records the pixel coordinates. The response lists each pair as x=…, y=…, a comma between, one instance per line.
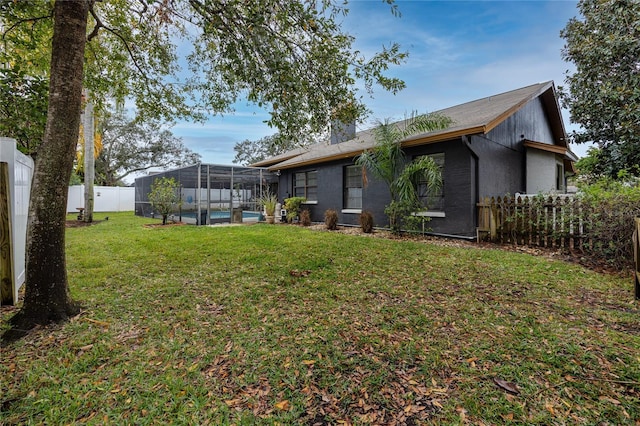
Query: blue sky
x=459, y=51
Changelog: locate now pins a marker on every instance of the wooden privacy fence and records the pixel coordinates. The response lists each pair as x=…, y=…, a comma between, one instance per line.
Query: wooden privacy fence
x=536, y=221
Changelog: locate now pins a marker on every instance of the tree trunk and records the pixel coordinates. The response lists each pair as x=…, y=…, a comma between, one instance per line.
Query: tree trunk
x=89, y=160
x=47, y=294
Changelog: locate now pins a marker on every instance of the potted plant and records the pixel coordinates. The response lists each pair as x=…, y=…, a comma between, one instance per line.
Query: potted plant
x=269, y=202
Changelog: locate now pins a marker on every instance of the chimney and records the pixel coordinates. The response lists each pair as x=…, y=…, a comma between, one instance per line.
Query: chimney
x=342, y=132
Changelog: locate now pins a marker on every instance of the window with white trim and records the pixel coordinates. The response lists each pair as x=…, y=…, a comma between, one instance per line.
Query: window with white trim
x=433, y=200
x=352, y=187
x=305, y=184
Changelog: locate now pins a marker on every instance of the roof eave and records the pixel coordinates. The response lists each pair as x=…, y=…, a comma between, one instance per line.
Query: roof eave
x=441, y=137
x=335, y=157
x=268, y=162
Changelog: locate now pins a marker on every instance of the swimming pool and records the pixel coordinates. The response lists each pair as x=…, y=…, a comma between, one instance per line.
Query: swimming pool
x=217, y=216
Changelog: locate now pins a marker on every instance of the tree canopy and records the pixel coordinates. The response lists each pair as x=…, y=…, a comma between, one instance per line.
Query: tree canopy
x=132, y=146
x=603, y=94
x=188, y=59
x=23, y=108
x=249, y=152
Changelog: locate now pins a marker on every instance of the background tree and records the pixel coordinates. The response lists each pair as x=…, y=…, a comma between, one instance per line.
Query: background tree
x=289, y=56
x=23, y=108
x=249, y=152
x=164, y=196
x=387, y=162
x=24, y=71
x=132, y=146
x=602, y=94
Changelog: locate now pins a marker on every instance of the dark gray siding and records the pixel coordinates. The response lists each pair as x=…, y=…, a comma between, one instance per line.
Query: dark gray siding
x=330, y=193
x=459, y=190
x=502, y=160
x=491, y=164
x=459, y=187
x=529, y=122
x=500, y=168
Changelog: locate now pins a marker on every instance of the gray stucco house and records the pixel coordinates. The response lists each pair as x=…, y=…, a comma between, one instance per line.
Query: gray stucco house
x=513, y=142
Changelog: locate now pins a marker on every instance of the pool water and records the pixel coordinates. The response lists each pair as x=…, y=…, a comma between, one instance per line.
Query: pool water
x=215, y=214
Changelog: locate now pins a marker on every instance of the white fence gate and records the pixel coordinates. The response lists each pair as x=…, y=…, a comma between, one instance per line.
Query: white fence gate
x=16, y=172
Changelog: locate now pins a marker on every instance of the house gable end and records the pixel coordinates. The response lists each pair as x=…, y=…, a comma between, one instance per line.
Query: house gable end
x=528, y=123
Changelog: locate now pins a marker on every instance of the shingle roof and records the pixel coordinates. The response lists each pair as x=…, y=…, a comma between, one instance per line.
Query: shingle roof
x=479, y=116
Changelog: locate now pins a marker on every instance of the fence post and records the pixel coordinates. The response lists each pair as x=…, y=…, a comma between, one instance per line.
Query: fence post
x=636, y=255
x=6, y=252
x=493, y=213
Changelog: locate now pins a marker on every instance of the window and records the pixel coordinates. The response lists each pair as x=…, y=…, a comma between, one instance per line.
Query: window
x=559, y=177
x=433, y=200
x=353, y=187
x=305, y=184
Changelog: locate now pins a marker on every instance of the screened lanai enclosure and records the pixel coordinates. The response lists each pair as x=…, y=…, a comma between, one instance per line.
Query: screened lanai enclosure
x=211, y=194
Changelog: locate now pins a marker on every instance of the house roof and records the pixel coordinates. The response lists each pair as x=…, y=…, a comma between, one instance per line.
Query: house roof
x=475, y=117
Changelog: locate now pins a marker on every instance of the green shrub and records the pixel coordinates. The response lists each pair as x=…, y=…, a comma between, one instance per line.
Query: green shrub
x=416, y=223
x=305, y=218
x=292, y=206
x=609, y=208
x=331, y=219
x=366, y=222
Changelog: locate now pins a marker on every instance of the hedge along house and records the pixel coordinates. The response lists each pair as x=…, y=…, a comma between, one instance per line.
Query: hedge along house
x=503, y=144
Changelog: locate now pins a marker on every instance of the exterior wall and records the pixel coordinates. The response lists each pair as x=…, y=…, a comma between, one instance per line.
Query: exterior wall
x=541, y=172
x=459, y=190
x=502, y=165
x=459, y=187
x=330, y=193
x=529, y=122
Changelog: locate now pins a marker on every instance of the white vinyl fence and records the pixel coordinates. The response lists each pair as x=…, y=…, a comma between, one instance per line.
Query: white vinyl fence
x=16, y=171
x=105, y=199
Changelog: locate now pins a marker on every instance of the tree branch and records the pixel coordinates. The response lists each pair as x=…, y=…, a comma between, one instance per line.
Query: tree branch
x=22, y=21
x=99, y=23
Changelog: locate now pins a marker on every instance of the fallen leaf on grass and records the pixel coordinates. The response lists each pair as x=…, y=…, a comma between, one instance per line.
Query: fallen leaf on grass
x=507, y=417
x=233, y=402
x=609, y=399
x=283, y=405
x=308, y=361
x=296, y=273
x=507, y=386
x=102, y=323
x=462, y=412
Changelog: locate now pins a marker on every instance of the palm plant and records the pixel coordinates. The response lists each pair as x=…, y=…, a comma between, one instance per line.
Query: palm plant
x=387, y=162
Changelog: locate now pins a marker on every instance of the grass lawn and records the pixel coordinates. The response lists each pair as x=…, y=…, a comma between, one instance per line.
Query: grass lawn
x=269, y=324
